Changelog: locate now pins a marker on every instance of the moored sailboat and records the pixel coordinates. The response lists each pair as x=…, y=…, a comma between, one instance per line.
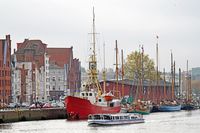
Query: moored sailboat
x=140, y=106
x=170, y=105
x=187, y=103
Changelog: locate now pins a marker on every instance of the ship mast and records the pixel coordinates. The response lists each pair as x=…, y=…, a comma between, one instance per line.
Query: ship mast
x=188, y=89
x=104, y=70
x=156, y=68
x=94, y=83
x=122, y=73
x=172, y=73
x=117, y=69
x=164, y=85
x=142, y=73
x=174, y=76
x=179, y=91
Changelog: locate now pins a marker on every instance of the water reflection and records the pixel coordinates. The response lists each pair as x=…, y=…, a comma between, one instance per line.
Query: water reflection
x=188, y=114
x=5, y=126
x=175, y=122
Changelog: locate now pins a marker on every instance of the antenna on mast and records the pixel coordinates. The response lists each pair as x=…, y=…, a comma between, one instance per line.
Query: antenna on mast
x=104, y=70
x=117, y=70
x=93, y=34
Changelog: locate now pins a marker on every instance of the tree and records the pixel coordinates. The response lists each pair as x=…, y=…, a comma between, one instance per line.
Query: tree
x=140, y=66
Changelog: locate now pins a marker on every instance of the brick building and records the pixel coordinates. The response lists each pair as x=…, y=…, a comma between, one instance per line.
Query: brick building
x=150, y=90
x=5, y=70
x=31, y=51
x=34, y=52
x=41, y=57
x=63, y=57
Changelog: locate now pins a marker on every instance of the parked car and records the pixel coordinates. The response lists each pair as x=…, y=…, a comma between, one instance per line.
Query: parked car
x=13, y=105
x=3, y=105
x=34, y=106
x=25, y=105
x=47, y=105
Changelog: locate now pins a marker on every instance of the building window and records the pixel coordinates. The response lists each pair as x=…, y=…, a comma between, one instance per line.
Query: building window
x=59, y=88
x=53, y=88
x=53, y=78
x=59, y=78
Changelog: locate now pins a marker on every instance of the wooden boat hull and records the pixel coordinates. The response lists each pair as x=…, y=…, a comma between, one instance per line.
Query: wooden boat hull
x=154, y=109
x=169, y=108
x=187, y=107
x=78, y=108
x=145, y=112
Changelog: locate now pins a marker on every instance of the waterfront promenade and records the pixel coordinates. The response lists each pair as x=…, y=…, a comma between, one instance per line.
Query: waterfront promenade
x=15, y=115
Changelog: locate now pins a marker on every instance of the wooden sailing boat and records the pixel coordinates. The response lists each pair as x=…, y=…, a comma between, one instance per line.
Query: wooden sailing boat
x=140, y=106
x=187, y=104
x=170, y=105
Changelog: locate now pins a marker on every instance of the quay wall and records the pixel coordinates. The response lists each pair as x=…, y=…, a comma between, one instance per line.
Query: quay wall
x=33, y=114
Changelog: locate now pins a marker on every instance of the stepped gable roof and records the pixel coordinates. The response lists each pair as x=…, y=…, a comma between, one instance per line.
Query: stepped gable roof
x=37, y=46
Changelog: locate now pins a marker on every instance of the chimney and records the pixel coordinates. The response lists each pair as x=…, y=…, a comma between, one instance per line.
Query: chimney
x=7, y=37
x=26, y=39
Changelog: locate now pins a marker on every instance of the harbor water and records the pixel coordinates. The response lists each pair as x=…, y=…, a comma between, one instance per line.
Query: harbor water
x=162, y=122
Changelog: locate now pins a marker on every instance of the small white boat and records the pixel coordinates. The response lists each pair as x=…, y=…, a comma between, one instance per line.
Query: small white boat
x=114, y=119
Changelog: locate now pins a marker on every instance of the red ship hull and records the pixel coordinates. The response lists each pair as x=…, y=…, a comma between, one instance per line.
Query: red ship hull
x=78, y=108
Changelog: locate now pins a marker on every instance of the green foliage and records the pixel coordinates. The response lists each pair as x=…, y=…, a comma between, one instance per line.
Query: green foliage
x=139, y=65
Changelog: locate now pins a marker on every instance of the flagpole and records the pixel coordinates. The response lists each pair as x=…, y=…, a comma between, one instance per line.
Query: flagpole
x=4, y=71
x=4, y=84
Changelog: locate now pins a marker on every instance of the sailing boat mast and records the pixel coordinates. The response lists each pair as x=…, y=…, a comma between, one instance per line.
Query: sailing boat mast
x=172, y=84
x=156, y=67
x=179, y=87
x=174, y=76
x=117, y=69
x=188, y=90
x=187, y=85
x=164, y=85
x=122, y=73
x=104, y=70
x=142, y=73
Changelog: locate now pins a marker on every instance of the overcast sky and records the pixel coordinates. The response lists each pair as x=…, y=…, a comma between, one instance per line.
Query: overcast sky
x=66, y=23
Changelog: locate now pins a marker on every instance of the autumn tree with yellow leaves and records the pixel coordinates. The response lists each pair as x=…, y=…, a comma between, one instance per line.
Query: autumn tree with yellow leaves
x=140, y=66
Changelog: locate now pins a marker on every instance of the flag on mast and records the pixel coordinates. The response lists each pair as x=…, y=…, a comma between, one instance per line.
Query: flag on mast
x=5, y=52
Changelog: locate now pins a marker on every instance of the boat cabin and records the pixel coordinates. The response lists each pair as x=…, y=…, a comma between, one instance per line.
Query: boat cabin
x=114, y=119
x=94, y=99
x=114, y=116
x=89, y=95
